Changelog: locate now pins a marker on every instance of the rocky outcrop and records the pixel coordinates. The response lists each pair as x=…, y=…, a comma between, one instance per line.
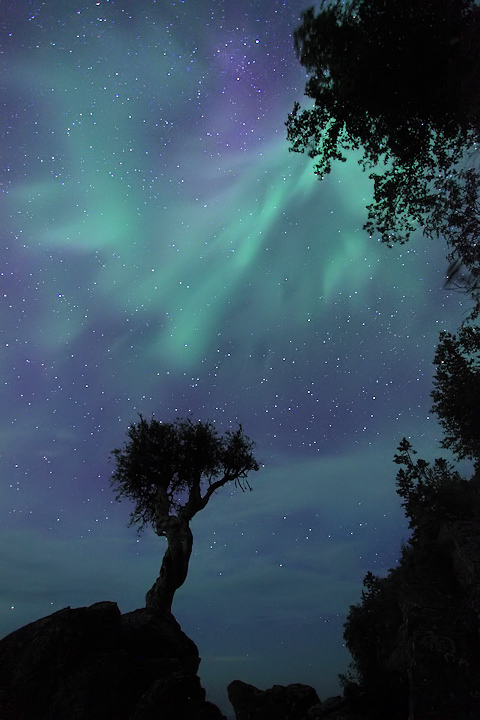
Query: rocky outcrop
x=461, y=540
x=294, y=702
x=94, y=663
x=278, y=703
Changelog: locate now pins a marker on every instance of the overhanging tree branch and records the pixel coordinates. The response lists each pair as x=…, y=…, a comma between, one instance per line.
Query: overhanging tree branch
x=399, y=80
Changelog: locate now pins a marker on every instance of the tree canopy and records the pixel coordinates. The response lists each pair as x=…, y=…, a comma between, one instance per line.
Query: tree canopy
x=427, y=595
x=168, y=465
x=398, y=80
x=432, y=494
x=456, y=392
x=389, y=632
x=170, y=471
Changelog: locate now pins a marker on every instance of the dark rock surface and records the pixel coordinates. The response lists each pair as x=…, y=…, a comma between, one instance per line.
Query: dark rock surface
x=294, y=702
x=93, y=663
x=291, y=702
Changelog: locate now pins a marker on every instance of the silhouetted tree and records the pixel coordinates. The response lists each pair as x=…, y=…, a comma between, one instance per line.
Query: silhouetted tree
x=170, y=471
x=370, y=631
x=432, y=494
x=389, y=632
x=456, y=392
x=399, y=80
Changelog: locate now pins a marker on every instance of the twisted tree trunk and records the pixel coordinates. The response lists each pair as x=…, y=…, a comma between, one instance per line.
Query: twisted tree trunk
x=174, y=569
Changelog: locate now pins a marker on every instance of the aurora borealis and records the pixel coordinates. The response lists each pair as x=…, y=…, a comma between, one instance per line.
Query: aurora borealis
x=163, y=252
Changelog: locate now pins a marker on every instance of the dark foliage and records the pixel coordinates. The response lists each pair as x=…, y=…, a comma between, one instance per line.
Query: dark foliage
x=400, y=81
x=370, y=632
x=433, y=494
x=456, y=392
x=410, y=636
x=414, y=634
x=165, y=467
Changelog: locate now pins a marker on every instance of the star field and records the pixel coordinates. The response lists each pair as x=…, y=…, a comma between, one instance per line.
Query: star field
x=162, y=252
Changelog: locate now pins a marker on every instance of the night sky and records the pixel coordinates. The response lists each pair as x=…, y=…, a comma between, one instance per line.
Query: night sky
x=162, y=252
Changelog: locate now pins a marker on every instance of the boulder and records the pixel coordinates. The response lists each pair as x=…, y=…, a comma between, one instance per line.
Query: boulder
x=94, y=662
x=338, y=708
x=291, y=702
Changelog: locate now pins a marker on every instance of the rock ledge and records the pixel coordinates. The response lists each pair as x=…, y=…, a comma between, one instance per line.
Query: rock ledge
x=94, y=662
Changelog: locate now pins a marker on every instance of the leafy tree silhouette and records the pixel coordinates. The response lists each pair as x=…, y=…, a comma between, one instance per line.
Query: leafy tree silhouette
x=388, y=631
x=400, y=81
x=456, y=392
x=170, y=471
